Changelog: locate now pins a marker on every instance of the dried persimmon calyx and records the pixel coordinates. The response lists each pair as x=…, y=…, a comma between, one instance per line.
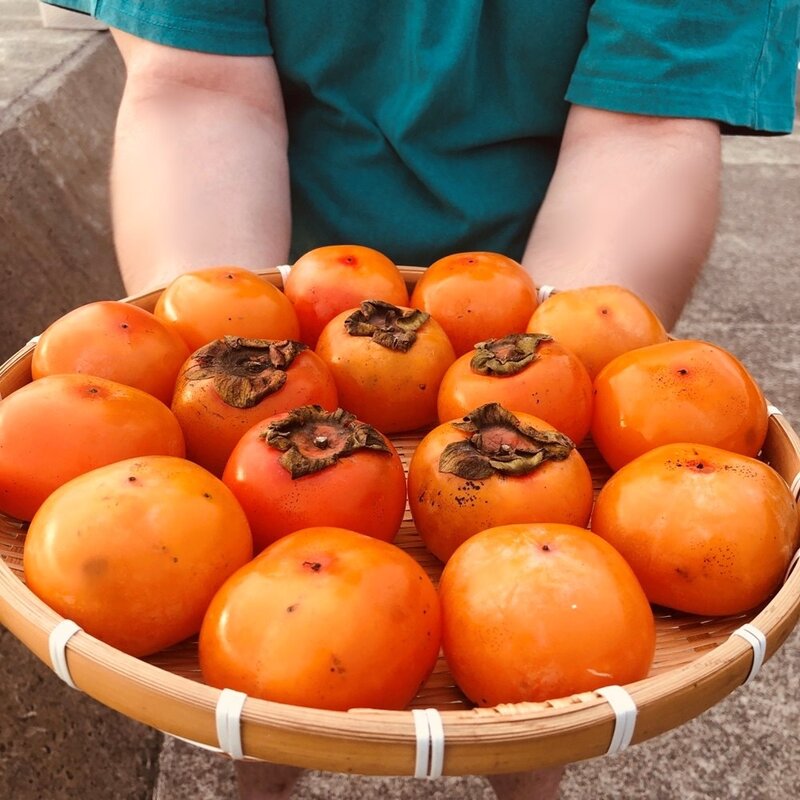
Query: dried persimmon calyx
x=388, y=325
x=507, y=356
x=312, y=438
x=499, y=443
x=244, y=371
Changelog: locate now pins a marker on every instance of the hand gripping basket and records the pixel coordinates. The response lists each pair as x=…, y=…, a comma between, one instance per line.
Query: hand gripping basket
x=698, y=662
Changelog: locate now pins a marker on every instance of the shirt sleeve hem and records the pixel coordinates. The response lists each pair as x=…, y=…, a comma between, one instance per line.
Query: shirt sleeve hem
x=734, y=114
x=179, y=32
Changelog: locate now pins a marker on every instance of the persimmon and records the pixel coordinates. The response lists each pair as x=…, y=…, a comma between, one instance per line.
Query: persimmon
x=679, y=391
x=231, y=384
x=532, y=612
x=114, y=340
x=387, y=362
x=476, y=296
x=524, y=372
x=494, y=468
x=207, y=304
x=60, y=426
x=134, y=551
x=326, y=618
x=598, y=323
x=705, y=530
x=328, y=280
x=313, y=467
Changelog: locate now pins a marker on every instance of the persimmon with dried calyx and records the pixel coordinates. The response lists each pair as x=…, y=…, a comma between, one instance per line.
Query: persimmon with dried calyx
x=326, y=618
x=475, y=296
x=526, y=372
x=114, y=340
x=207, y=304
x=387, y=362
x=134, y=551
x=705, y=530
x=532, y=612
x=231, y=384
x=328, y=280
x=598, y=323
x=315, y=467
x=60, y=426
x=679, y=391
x=494, y=468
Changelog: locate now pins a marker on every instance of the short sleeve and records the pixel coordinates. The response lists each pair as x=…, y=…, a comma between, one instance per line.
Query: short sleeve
x=734, y=61
x=227, y=27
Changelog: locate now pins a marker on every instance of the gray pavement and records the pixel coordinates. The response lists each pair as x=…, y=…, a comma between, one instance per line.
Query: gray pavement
x=57, y=99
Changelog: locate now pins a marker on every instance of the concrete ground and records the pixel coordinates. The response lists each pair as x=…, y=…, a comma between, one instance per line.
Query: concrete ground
x=58, y=91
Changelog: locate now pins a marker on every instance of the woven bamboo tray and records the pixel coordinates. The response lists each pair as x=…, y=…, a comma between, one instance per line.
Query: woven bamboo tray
x=697, y=663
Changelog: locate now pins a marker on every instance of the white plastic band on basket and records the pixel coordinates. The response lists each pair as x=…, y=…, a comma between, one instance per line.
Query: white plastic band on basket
x=795, y=487
x=57, y=646
x=430, y=743
x=773, y=411
x=753, y=636
x=228, y=714
x=624, y=708
x=543, y=292
x=284, y=270
x=792, y=564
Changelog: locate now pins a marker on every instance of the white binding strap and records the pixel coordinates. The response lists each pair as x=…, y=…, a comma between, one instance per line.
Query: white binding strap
x=543, y=292
x=624, y=708
x=753, y=636
x=228, y=715
x=429, y=732
x=284, y=270
x=795, y=487
x=774, y=411
x=792, y=564
x=57, y=645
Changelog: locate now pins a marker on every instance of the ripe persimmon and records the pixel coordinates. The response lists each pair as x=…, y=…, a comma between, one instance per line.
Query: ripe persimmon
x=114, y=340
x=494, y=468
x=598, y=323
x=705, y=530
x=533, y=612
x=207, y=304
x=387, y=362
x=476, y=296
x=524, y=372
x=229, y=385
x=679, y=391
x=328, y=280
x=326, y=618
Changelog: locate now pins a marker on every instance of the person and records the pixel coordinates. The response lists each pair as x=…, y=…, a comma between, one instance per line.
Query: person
x=581, y=138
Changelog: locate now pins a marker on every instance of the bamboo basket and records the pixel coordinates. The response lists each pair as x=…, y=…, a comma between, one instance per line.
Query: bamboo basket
x=697, y=663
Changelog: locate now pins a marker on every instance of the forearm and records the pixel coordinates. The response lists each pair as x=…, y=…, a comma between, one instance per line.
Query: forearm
x=199, y=178
x=633, y=201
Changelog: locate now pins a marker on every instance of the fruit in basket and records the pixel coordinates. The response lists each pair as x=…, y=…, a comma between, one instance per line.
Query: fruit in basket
x=133, y=552
x=207, y=304
x=325, y=618
x=231, y=384
x=328, y=280
x=532, y=612
x=61, y=426
x=387, y=362
x=114, y=340
x=494, y=468
x=525, y=372
x=476, y=296
x=313, y=467
x=598, y=323
x=705, y=530
x=679, y=391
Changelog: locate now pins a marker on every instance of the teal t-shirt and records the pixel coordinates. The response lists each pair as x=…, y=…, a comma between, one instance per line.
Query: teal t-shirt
x=425, y=128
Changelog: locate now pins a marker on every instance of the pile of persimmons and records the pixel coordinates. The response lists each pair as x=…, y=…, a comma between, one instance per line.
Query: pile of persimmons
x=223, y=466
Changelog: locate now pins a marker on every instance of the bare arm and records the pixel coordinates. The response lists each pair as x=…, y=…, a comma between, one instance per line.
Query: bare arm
x=634, y=201
x=200, y=174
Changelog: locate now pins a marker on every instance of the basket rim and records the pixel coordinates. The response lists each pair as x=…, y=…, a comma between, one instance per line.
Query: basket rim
x=384, y=742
